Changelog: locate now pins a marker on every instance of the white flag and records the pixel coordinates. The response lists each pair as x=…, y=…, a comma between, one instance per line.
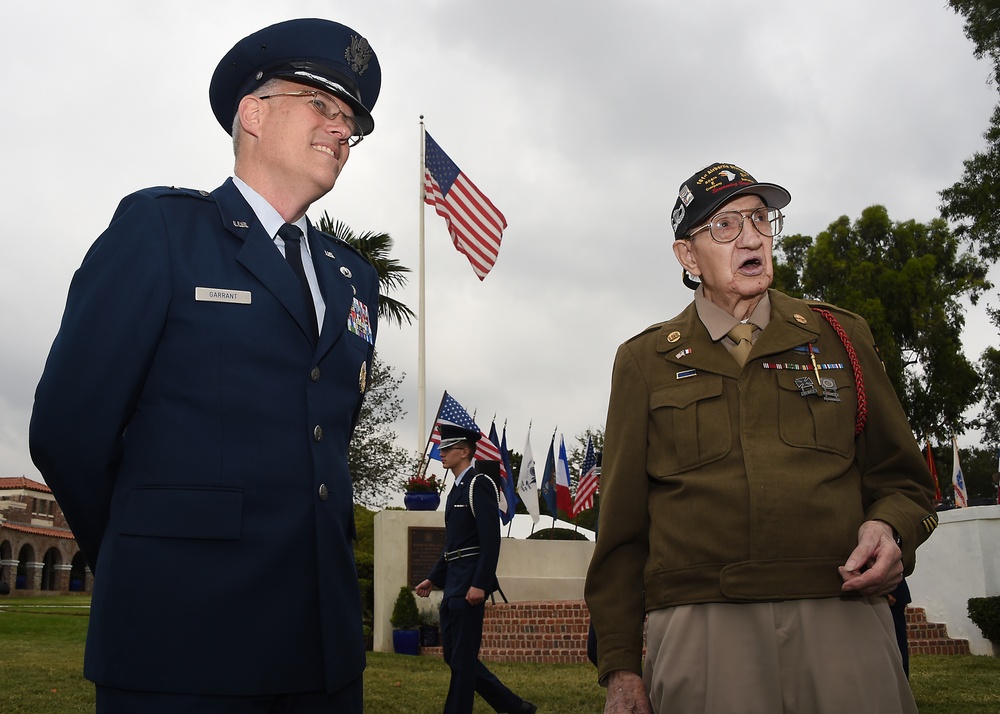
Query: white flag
x=527, y=484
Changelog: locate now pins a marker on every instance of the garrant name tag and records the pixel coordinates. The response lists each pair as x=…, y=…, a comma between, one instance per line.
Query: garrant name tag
x=239, y=297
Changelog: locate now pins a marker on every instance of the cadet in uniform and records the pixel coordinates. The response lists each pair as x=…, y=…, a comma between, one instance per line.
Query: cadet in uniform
x=761, y=489
x=194, y=414
x=467, y=573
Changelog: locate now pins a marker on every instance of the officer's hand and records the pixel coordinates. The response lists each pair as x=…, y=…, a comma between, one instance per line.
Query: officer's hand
x=475, y=596
x=876, y=565
x=424, y=588
x=626, y=694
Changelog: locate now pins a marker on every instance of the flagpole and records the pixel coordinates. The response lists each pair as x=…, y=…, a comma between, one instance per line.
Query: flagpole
x=421, y=330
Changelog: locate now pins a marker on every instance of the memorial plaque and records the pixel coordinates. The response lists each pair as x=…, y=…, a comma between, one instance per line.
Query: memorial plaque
x=424, y=549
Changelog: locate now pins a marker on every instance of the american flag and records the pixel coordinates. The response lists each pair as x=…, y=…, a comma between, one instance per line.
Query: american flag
x=586, y=487
x=452, y=412
x=475, y=224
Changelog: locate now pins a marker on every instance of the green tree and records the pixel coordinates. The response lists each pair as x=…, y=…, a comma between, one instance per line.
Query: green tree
x=906, y=279
x=375, y=247
x=377, y=465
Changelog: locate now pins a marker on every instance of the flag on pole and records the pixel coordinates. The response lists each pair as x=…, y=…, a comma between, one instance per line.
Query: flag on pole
x=506, y=488
x=475, y=224
x=548, y=487
x=586, y=486
x=563, y=499
x=957, y=480
x=527, y=484
x=510, y=492
x=934, y=475
x=451, y=412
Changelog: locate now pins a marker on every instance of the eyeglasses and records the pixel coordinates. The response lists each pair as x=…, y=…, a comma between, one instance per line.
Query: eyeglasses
x=725, y=227
x=326, y=108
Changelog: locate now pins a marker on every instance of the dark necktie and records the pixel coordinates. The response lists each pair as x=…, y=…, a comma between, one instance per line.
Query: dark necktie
x=741, y=336
x=292, y=236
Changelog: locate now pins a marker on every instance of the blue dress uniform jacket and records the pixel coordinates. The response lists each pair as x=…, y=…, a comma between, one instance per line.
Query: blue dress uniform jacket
x=465, y=530
x=198, y=446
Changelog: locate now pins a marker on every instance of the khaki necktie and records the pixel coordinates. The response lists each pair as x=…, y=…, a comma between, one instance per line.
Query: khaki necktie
x=741, y=336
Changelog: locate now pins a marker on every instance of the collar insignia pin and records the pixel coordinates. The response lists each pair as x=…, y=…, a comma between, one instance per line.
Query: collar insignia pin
x=673, y=336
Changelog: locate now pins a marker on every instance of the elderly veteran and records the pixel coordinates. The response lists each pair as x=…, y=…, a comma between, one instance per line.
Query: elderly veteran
x=194, y=415
x=761, y=491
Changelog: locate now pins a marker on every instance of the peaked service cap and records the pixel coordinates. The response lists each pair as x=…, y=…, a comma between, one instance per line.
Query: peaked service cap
x=451, y=434
x=318, y=53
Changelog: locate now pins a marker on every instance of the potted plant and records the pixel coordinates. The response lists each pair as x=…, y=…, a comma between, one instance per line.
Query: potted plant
x=985, y=612
x=430, y=633
x=423, y=493
x=405, y=621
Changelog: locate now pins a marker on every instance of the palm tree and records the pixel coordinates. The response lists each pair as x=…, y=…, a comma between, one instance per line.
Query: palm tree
x=375, y=248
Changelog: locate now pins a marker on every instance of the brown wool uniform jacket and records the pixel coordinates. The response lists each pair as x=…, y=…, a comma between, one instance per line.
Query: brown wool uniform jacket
x=726, y=484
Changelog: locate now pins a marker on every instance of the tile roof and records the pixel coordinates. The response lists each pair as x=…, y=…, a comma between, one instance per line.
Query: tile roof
x=38, y=530
x=22, y=482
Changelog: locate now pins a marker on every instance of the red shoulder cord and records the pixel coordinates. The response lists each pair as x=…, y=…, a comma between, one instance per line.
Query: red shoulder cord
x=862, y=416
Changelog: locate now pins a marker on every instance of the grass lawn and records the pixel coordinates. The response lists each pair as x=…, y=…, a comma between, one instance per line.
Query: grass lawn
x=41, y=655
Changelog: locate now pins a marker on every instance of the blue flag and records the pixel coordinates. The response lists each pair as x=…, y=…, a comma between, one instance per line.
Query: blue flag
x=548, y=487
x=508, y=483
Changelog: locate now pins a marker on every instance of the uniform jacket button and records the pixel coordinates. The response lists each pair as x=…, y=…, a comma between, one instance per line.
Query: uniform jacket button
x=314, y=374
x=323, y=492
x=318, y=433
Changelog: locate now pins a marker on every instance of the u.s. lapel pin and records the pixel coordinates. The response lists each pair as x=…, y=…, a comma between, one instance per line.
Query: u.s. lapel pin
x=799, y=319
x=673, y=336
x=241, y=224
x=329, y=254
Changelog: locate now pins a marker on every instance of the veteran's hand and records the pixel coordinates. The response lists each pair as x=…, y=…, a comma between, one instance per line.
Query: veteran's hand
x=876, y=565
x=424, y=588
x=475, y=596
x=626, y=694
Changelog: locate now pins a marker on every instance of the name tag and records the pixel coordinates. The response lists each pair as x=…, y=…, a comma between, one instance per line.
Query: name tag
x=239, y=297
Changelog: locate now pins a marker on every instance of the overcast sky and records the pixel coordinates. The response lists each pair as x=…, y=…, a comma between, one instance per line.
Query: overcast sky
x=578, y=119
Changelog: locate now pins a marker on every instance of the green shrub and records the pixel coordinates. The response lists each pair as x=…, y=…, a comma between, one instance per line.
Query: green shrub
x=405, y=615
x=985, y=612
x=557, y=534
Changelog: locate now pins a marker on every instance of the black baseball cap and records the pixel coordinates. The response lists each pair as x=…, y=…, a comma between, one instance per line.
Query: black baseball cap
x=704, y=192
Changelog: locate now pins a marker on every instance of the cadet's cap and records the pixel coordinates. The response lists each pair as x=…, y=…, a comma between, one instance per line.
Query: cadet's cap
x=452, y=434
x=700, y=195
x=318, y=53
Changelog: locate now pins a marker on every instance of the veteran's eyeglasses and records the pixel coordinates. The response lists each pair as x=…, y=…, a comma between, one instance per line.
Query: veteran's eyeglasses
x=726, y=226
x=326, y=108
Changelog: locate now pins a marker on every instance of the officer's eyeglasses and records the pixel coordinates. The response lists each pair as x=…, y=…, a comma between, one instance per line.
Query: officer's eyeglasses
x=725, y=227
x=326, y=108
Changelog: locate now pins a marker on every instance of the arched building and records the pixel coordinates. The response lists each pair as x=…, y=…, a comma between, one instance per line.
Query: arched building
x=37, y=549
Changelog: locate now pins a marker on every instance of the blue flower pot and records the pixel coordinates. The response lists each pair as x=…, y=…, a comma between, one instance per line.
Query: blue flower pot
x=422, y=501
x=406, y=642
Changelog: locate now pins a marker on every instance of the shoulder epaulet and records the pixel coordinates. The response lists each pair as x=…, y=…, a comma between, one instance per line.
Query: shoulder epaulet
x=340, y=243
x=652, y=328
x=175, y=191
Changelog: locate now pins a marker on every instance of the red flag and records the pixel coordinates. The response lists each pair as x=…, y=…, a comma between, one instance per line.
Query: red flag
x=475, y=224
x=933, y=469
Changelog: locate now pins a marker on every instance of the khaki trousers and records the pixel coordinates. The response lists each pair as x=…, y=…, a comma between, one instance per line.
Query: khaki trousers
x=826, y=656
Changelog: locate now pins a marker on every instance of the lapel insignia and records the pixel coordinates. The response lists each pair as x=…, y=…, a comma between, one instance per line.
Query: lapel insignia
x=799, y=319
x=673, y=336
x=686, y=373
x=345, y=271
x=329, y=254
x=682, y=353
x=241, y=224
x=363, y=377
